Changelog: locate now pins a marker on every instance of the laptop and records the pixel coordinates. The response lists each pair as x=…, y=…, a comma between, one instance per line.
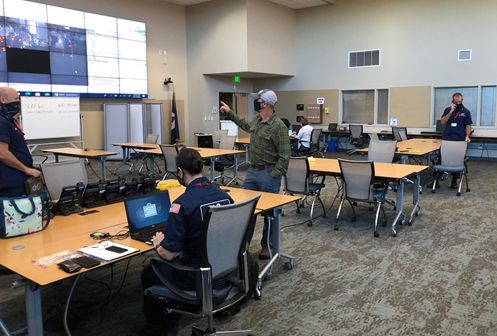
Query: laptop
x=296, y=128
x=147, y=214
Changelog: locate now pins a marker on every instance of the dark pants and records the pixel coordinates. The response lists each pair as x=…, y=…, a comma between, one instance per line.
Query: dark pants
x=261, y=180
x=154, y=310
x=13, y=192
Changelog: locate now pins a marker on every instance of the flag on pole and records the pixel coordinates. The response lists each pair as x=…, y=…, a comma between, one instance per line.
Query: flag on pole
x=174, y=121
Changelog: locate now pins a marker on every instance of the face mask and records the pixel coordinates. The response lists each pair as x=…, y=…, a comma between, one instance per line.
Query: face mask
x=257, y=105
x=11, y=109
x=180, y=178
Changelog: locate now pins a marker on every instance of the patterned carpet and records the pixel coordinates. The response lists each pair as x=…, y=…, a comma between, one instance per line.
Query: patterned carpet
x=437, y=277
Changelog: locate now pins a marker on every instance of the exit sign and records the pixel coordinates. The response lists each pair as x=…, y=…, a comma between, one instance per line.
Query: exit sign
x=236, y=79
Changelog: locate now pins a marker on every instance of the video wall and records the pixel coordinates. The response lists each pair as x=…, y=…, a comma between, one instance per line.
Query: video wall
x=53, y=51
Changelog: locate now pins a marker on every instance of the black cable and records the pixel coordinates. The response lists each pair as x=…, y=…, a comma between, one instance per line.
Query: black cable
x=66, y=310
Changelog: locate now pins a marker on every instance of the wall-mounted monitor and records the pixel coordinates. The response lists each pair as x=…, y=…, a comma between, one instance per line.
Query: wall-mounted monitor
x=53, y=51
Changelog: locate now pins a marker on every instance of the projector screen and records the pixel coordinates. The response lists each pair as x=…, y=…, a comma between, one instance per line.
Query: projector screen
x=50, y=117
x=53, y=51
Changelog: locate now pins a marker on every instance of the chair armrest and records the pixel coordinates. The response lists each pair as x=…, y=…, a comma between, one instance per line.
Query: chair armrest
x=185, y=297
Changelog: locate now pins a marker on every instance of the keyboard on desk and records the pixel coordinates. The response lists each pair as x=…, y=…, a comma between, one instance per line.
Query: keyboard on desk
x=144, y=236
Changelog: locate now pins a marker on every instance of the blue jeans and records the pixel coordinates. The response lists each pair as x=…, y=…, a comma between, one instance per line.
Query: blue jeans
x=261, y=180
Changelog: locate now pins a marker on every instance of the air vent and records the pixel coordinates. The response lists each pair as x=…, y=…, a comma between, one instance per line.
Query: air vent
x=464, y=55
x=364, y=58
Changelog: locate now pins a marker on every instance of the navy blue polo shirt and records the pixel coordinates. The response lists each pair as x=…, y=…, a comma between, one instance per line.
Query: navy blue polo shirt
x=455, y=129
x=9, y=134
x=183, y=228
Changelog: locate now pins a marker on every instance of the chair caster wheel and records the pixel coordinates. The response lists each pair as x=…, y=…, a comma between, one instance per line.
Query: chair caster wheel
x=289, y=265
x=409, y=223
x=468, y=190
x=335, y=228
x=309, y=224
x=458, y=194
x=432, y=191
x=394, y=234
x=258, y=293
x=376, y=234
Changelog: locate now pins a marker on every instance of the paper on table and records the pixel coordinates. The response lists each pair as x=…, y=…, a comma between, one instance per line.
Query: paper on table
x=100, y=252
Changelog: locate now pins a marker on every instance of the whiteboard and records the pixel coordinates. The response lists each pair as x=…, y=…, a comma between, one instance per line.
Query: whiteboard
x=50, y=117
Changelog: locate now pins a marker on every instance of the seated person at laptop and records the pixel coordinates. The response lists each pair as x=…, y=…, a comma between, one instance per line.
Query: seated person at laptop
x=181, y=236
x=303, y=136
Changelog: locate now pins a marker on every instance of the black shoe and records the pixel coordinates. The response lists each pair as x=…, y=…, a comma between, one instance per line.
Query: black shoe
x=264, y=253
x=453, y=184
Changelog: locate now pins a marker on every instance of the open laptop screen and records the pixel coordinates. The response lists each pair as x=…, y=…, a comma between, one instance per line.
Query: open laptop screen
x=147, y=211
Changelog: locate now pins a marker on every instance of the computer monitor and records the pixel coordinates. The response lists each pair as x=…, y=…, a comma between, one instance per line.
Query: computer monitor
x=332, y=127
x=296, y=128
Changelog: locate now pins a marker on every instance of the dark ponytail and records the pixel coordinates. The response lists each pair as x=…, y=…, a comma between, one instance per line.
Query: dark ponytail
x=190, y=160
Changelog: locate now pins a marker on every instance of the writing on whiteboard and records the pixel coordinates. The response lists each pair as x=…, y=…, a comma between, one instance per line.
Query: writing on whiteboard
x=50, y=117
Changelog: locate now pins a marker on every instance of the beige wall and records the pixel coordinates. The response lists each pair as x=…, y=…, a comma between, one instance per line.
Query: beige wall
x=288, y=100
x=411, y=106
x=271, y=34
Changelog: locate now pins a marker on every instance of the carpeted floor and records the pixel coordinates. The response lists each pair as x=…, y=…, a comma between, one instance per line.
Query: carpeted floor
x=437, y=277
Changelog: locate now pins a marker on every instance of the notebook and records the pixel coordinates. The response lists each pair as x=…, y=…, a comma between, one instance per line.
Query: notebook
x=147, y=214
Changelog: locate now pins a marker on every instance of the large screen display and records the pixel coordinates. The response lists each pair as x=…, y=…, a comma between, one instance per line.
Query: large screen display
x=53, y=51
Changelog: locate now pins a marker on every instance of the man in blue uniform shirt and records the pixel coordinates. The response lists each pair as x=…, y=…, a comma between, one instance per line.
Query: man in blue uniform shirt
x=457, y=121
x=181, y=237
x=15, y=160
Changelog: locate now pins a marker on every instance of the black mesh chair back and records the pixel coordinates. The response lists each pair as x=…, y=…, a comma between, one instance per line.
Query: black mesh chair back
x=225, y=236
x=355, y=131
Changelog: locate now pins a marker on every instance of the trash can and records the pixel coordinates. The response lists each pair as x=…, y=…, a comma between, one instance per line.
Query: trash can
x=332, y=146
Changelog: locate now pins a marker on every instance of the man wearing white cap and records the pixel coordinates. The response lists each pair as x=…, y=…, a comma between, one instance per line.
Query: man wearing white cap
x=269, y=151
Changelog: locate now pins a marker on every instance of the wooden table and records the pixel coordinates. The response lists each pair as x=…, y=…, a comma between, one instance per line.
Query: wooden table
x=384, y=170
x=82, y=154
x=73, y=232
x=127, y=146
x=208, y=153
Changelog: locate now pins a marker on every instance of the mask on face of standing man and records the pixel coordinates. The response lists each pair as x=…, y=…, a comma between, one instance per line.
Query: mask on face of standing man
x=10, y=110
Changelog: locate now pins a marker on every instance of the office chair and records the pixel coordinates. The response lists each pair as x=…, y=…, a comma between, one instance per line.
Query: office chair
x=357, y=138
x=399, y=133
x=314, y=147
x=358, y=179
x=169, y=152
x=149, y=139
x=452, y=161
x=216, y=137
x=381, y=151
x=286, y=122
x=223, y=257
x=224, y=162
x=58, y=175
x=297, y=182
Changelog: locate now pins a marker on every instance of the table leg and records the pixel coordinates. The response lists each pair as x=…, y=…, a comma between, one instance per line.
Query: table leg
x=400, y=206
x=415, y=199
x=33, y=310
x=212, y=169
x=102, y=166
x=56, y=157
x=274, y=236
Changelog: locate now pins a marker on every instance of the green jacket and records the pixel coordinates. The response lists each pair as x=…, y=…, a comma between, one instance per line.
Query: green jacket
x=269, y=142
